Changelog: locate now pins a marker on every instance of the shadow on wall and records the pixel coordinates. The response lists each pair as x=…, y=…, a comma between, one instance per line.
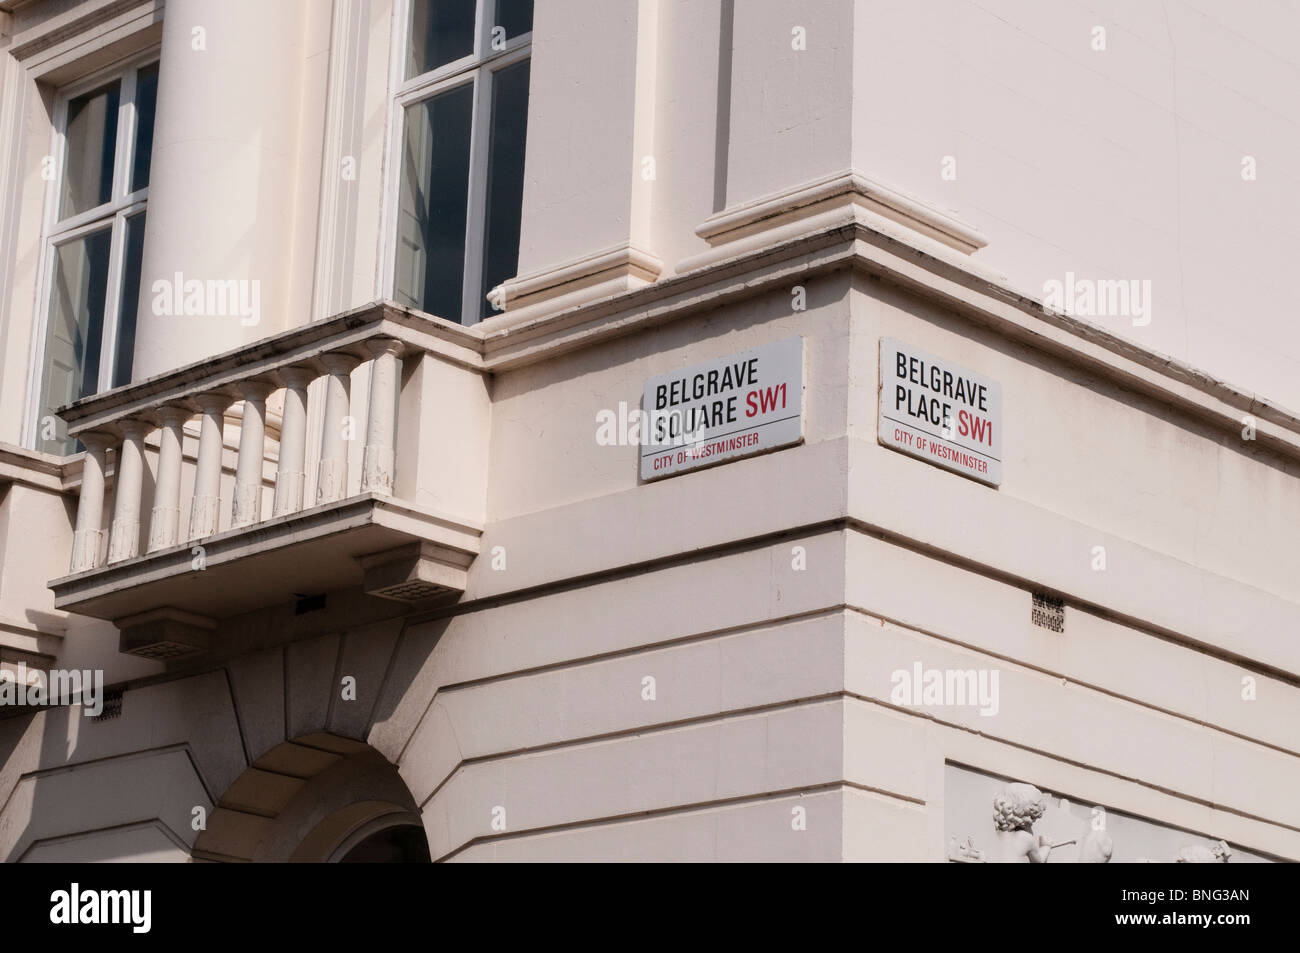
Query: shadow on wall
x=200, y=765
x=317, y=799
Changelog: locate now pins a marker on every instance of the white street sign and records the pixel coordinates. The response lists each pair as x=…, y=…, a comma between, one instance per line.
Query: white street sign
x=732, y=407
x=941, y=412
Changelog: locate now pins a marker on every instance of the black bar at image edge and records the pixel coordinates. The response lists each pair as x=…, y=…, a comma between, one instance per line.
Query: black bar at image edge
x=222, y=902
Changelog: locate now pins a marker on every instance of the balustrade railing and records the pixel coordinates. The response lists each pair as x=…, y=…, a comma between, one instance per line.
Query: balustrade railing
x=289, y=364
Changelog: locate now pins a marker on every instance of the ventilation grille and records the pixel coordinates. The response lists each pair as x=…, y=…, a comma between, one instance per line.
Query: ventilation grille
x=112, y=705
x=414, y=572
x=413, y=591
x=163, y=651
x=1049, y=612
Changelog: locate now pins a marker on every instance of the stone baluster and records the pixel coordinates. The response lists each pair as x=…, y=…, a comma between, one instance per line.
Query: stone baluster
x=87, y=540
x=247, y=506
x=205, y=508
x=292, y=468
x=164, y=522
x=128, y=485
x=332, y=474
x=377, y=459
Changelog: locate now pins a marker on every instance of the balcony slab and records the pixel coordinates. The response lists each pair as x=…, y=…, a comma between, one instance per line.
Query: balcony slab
x=253, y=567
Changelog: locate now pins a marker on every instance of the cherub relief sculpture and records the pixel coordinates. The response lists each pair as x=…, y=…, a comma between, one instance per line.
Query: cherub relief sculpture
x=964, y=852
x=1200, y=854
x=1018, y=806
x=1095, y=848
x=1015, y=809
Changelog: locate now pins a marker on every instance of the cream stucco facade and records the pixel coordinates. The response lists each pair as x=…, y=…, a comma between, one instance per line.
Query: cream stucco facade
x=353, y=568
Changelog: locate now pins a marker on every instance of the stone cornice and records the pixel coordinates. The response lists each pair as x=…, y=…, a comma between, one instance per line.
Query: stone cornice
x=840, y=190
x=576, y=282
x=33, y=468
x=348, y=330
x=862, y=240
x=65, y=26
x=850, y=236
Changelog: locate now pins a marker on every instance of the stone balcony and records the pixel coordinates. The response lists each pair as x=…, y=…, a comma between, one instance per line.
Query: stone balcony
x=407, y=532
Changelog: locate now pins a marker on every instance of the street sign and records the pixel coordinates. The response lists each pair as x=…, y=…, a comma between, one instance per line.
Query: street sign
x=728, y=408
x=941, y=412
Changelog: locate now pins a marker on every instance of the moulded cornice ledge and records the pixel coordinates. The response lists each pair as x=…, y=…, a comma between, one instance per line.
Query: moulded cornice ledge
x=33, y=468
x=66, y=25
x=830, y=200
x=13, y=6
x=32, y=635
x=344, y=332
x=573, y=283
x=860, y=239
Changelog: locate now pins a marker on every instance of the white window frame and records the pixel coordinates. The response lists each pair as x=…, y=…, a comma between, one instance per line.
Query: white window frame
x=122, y=204
x=475, y=68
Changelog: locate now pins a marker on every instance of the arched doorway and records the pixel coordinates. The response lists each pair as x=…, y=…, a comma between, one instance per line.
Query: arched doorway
x=395, y=844
x=319, y=798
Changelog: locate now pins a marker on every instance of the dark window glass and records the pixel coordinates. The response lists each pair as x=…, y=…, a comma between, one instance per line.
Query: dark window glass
x=515, y=15
x=442, y=31
x=432, y=203
x=146, y=100
x=505, y=185
x=74, y=332
x=130, y=300
x=90, y=143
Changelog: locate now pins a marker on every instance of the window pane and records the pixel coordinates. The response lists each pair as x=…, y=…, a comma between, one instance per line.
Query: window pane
x=515, y=15
x=441, y=31
x=74, y=332
x=90, y=143
x=432, y=202
x=146, y=100
x=505, y=187
x=130, y=300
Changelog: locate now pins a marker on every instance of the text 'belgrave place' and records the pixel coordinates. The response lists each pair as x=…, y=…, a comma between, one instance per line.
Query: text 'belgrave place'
x=943, y=413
